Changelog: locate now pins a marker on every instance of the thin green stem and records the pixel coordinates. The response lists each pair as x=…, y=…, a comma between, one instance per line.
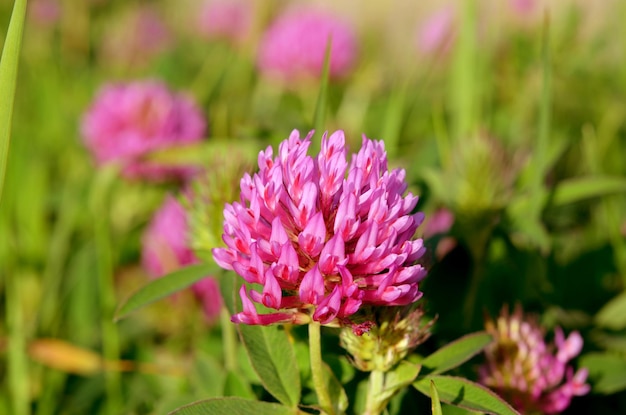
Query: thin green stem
x=17, y=362
x=317, y=368
x=373, y=405
x=110, y=337
x=229, y=339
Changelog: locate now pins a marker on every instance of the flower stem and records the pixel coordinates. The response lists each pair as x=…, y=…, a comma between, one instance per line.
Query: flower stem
x=17, y=359
x=374, y=390
x=110, y=338
x=317, y=368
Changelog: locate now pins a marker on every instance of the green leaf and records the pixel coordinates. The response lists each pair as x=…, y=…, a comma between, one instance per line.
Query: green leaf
x=401, y=376
x=209, y=375
x=465, y=394
x=234, y=406
x=434, y=397
x=236, y=385
x=8, y=79
x=273, y=359
x=455, y=353
x=581, y=188
x=164, y=286
x=613, y=314
x=337, y=394
x=606, y=371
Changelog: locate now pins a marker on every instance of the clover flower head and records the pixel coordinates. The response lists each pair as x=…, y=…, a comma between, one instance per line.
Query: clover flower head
x=294, y=46
x=226, y=19
x=166, y=249
x=532, y=375
x=321, y=237
x=126, y=122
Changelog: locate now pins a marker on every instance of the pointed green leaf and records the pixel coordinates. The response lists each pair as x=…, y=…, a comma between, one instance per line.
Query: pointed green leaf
x=8, y=79
x=465, y=394
x=455, y=353
x=320, y=107
x=273, y=359
x=164, y=286
x=613, y=314
x=338, y=395
x=234, y=406
x=606, y=371
x=581, y=188
x=434, y=397
x=399, y=377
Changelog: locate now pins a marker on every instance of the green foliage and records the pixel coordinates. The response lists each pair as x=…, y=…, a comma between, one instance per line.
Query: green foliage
x=8, y=80
x=606, y=371
x=273, y=359
x=455, y=353
x=516, y=128
x=465, y=394
x=234, y=406
x=613, y=314
x=165, y=286
x=434, y=396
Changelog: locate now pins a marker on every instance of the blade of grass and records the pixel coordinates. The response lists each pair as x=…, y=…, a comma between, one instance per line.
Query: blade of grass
x=464, y=71
x=541, y=146
x=8, y=78
x=434, y=397
x=100, y=204
x=17, y=360
x=319, y=117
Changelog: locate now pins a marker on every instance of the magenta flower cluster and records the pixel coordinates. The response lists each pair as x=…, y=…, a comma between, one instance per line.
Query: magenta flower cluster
x=320, y=237
x=294, y=46
x=526, y=371
x=126, y=122
x=166, y=249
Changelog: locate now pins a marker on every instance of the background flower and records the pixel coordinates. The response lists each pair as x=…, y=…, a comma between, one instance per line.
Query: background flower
x=528, y=372
x=128, y=121
x=320, y=236
x=226, y=19
x=166, y=248
x=294, y=46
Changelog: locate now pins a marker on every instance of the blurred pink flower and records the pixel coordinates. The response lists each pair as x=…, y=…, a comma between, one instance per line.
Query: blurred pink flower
x=522, y=7
x=166, y=249
x=136, y=38
x=321, y=237
x=128, y=121
x=45, y=13
x=436, y=33
x=531, y=375
x=294, y=46
x=440, y=223
x=226, y=19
